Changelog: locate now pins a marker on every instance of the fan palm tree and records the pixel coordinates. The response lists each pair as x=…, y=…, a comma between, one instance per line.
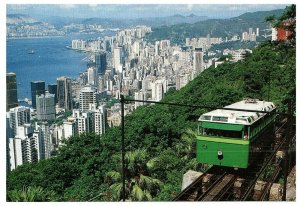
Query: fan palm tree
x=139, y=186
x=185, y=146
x=31, y=194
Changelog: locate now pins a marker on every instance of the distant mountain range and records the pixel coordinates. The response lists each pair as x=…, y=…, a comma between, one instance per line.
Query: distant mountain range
x=20, y=19
x=214, y=27
x=176, y=27
x=123, y=23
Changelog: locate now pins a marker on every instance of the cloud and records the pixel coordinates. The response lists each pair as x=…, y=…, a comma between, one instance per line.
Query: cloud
x=190, y=7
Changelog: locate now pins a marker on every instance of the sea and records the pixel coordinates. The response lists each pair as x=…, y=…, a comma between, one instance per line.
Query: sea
x=44, y=59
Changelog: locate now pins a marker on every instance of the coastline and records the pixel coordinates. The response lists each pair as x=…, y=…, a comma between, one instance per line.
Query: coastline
x=34, y=37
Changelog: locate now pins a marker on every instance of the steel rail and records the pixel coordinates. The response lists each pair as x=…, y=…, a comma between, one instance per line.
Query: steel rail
x=189, y=190
x=212, y=186
x=266, y=190
x=220, y=189
x=250, y=188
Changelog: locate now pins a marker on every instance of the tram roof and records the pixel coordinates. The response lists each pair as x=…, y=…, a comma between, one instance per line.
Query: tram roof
x=239, y=117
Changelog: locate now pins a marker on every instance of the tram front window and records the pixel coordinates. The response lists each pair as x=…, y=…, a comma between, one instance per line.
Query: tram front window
x=221, y=133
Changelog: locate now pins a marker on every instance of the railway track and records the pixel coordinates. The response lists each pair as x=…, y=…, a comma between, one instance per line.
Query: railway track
x=219, y=188
x=196, y=188
x=221, y=181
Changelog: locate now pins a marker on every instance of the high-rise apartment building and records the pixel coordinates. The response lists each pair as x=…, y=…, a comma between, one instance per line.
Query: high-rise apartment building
x=198, y=60
x=37, y=88
x=87, y=96
x=70, y=127
x=99, y=118
x=30, y=145
x=45, y=106
x=20, y=147
x=118, y=59
x=17, y=117
x=11, y=91
x=64, y=93
x=85, y=122
x=45, y=142
x=92, y=76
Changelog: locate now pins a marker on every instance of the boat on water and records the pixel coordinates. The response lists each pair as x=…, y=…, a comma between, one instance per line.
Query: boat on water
x=31, y=52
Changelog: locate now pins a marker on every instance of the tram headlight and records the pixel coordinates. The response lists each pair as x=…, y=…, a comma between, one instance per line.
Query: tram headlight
x=220, y=154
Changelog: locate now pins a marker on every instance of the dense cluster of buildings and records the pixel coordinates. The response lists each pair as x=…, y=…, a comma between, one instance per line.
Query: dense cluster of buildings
x=251, y=35
x=122, y=64
x=203, y=42
x=39, y=29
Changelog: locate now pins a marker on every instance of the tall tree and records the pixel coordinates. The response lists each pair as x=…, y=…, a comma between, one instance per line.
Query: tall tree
x=140, y=186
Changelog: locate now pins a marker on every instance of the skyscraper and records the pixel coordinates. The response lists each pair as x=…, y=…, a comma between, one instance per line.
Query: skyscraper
x=20, y=147
x=87, y=97
x=45, y=142
x=17, y=117
x=99, y=119
x=84, y=120
x=52, y=88
x=37, y=88
x=100, y=62
x=117, y=59
x=64, y=93
x=11, y=91
x=45, y=107
x=92, y=76
x=198, y=60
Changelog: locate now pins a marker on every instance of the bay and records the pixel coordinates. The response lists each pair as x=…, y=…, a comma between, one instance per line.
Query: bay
x=50, y=59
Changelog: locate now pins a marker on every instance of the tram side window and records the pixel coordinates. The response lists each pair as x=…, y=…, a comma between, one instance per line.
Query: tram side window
x=200, y=130
x=221, y=133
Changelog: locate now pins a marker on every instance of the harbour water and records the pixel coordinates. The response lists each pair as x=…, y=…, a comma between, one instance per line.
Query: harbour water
x=43, y=59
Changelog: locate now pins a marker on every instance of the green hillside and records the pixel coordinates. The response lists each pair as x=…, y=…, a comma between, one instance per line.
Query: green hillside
x=213, y=27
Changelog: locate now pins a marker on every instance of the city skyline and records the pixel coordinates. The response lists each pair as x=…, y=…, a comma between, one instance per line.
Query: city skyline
x=133, y=11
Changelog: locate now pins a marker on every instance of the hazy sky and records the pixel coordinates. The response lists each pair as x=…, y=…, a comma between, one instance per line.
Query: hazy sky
x=137, y=10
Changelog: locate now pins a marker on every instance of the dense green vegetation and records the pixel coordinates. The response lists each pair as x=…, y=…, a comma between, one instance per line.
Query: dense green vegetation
x=213, y=27
x=159, y=144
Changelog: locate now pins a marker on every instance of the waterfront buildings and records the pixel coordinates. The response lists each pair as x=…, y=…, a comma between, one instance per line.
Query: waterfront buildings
x=11, y=91
x=37, y=88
